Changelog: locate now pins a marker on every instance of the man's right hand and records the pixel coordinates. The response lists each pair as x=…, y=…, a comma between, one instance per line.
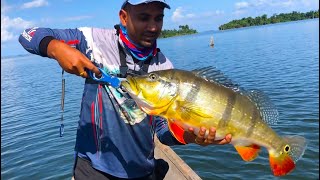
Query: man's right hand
x=70, y=59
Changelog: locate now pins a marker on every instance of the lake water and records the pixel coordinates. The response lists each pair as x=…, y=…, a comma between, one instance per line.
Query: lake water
x=281, y=59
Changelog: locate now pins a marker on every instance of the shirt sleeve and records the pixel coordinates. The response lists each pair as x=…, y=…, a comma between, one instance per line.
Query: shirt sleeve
x=163, y=133
x=31, y=38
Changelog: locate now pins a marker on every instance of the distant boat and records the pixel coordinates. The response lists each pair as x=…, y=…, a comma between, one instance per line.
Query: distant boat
x=211, y=42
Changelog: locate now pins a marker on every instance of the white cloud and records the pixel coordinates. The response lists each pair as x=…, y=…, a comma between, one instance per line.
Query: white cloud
x=181, y=15
x=190, y=15
x=241, y=5
x=196, y=19
x=308, y=2
x=11, y=26
x=258, y=7
x=6, y=35
x=35, y=3
x=177, y=14
x=277, y=5
x=77, y=18
x=4, y=7
x=239, y=12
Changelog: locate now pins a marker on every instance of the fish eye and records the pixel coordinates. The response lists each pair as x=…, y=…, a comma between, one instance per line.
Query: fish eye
x=153, y=76
x=286, y=148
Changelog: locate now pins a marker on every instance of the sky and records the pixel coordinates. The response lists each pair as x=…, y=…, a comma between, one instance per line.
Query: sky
x=202, y=15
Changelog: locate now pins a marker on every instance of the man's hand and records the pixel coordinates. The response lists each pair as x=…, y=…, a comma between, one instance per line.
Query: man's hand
x=200, y=139
x=70, y=59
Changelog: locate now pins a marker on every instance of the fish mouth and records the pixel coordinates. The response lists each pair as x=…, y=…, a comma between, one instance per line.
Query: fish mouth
x=130, y=85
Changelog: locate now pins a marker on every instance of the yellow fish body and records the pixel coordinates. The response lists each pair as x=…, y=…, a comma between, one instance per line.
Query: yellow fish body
x=205, y=97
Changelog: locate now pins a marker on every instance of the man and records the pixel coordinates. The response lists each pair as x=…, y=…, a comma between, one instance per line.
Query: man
x=114, y=138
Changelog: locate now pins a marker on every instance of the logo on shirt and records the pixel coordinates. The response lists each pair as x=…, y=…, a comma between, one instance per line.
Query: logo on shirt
x=28, y=35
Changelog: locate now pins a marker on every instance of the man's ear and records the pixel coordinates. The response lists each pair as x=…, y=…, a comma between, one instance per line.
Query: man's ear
x=123, y=17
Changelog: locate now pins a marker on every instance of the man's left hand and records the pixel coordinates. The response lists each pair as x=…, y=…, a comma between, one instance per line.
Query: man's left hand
x=200, y=139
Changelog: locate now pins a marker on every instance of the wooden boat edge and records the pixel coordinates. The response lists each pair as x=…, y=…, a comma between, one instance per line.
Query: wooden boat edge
x=177, y=167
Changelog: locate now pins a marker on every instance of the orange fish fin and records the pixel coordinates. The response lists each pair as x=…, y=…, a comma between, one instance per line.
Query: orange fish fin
x=248, y=153
x=281, y=165
x=177, y=131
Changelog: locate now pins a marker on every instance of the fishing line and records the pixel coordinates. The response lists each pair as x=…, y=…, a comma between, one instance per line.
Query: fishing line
x=62, y=104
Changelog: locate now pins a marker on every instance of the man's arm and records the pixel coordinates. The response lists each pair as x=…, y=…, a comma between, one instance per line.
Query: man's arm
x=58, y=44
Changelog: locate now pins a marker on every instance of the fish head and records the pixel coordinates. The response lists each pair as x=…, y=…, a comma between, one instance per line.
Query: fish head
x=152, y=92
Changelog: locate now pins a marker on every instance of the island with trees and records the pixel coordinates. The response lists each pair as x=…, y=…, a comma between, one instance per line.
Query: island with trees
x=183, y=30
x=263, y=20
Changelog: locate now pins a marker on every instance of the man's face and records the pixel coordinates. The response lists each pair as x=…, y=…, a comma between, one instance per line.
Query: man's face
x=143, y=22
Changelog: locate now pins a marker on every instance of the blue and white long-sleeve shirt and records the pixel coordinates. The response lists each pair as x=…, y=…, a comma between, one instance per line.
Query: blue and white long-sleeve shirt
x=115, y=136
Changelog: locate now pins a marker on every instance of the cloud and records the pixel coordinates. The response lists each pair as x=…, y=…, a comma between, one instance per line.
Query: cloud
x=34, y=4
x=275, y=6
x=241, y=5
x=4, y=7
x=177, y=14
x=11, y=26
x=6, y=35
x=77, y=18
x=181, y=15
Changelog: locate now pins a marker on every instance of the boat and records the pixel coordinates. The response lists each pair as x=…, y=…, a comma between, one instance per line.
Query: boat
x=211, y=42
x=170, y=165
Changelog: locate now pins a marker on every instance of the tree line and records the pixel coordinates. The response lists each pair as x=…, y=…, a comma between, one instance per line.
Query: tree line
x=183, y=30
x=275, y=18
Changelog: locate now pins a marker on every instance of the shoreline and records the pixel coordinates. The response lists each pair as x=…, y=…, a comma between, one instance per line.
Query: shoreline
x=266, y=24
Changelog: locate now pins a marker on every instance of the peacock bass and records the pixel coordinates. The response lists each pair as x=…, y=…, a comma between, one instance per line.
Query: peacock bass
x=205, y=97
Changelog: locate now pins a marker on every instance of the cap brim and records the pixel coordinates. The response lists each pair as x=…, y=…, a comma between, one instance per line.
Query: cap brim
x=137, y=3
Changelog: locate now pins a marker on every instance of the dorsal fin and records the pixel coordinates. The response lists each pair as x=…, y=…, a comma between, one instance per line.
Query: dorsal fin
x=212, y=74
x=267, y=109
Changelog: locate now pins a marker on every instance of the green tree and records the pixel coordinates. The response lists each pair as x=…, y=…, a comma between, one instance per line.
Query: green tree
x=262, y=20
x=183, y=30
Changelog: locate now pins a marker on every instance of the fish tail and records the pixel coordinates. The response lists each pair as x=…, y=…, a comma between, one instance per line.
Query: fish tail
x=284, y=162
x=281, y=166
